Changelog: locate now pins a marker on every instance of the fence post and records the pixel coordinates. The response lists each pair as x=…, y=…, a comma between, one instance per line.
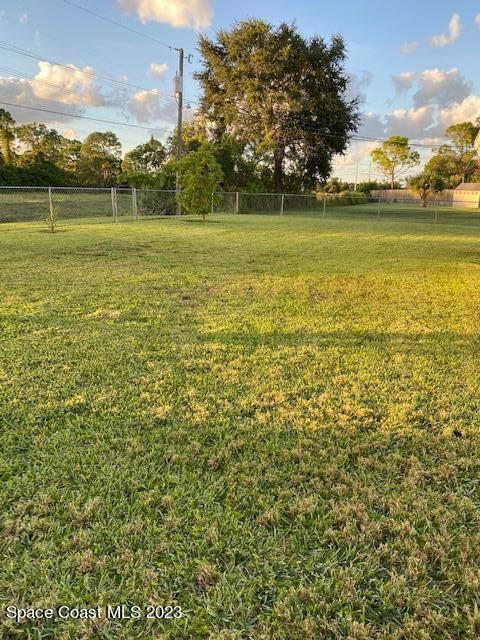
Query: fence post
x=134, y=203
x=112, y=192
x=51, y=220
x=282, y=204
x=378, y=214
x=324, y=205
x=213, y=193
x=237, y=202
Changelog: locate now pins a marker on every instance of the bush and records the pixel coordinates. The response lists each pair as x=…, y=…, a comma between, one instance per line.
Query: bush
x=349, y=198
x=153, y=202
x=200, y=177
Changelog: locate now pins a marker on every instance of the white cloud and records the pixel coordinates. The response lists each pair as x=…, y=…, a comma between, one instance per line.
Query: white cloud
x=20, y=91
x=157, y=70
x=411, y=123
x=477, y=20
x=23, y=18
x=371, y=125
x=454, y=29
x=441, y=88
x=403, y=81
x=409, y=47
x=468, y=110
x=52, y=88
x=357, y=152
x=146, y=106
x=177, y=13
x=70, y=85
x=70, y=134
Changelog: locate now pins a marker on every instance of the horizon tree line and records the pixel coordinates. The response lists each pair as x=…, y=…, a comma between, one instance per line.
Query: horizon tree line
x=275, y=111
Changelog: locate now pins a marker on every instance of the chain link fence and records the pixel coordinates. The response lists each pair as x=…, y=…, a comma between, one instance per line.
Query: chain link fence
x=58, y=205
x=61, y=205
x=439, y=208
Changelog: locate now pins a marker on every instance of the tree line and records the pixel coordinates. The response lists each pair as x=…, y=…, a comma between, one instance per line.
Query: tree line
x=274, y=112
x=454, y=163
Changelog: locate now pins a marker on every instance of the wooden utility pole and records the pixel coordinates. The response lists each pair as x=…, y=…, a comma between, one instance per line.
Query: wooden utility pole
x=179, y=95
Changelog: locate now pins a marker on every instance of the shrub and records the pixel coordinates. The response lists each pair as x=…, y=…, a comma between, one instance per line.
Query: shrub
x=200, y=177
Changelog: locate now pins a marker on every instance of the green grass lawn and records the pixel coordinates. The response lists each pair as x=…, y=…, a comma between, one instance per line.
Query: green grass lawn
x=270, y=422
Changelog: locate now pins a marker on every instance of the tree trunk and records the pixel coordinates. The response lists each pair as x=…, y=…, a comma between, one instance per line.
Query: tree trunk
x=278, y=158
x=5, y=148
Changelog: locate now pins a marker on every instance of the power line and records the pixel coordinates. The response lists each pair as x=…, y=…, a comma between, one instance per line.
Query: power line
x=137, y=126
x=91, y=75
x=104, y=78
x=73, y=115
x=122, y=26
x=22, y=76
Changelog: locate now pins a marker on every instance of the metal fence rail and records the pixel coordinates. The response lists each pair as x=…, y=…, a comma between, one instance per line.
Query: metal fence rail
x=61, y=205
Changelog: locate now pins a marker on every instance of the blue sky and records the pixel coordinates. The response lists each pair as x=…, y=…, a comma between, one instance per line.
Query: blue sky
x=414, y=63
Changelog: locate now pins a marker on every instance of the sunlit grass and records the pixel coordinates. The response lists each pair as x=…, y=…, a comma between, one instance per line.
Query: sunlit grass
x=272, y=422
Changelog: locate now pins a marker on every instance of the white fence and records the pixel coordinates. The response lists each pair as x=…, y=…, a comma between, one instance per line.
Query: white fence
x=449, y=197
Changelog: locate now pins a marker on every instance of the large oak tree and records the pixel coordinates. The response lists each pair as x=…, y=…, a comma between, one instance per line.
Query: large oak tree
x=280, y=93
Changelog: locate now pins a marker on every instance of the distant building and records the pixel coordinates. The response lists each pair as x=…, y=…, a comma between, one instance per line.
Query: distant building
x=467, y=195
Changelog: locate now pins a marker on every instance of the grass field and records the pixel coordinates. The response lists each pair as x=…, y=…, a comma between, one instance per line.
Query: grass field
x=270, y=422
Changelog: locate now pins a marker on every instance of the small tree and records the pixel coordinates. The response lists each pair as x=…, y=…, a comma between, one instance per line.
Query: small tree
x=200, y=176
x=426, y=183
x=394, y=157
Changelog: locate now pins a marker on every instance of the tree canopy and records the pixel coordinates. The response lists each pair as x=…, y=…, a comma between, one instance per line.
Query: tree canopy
x=145, y=158
x=395, y=157
x=426, y=183
x=457, y=161
x=100, y=159
x=280, y=93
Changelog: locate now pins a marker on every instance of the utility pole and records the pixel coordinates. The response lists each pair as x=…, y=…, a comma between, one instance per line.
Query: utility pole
x=356, y=177
x=179, y=95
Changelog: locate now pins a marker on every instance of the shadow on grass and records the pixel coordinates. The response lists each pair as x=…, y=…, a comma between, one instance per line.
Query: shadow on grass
x=200, y=221
x=432, y=341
